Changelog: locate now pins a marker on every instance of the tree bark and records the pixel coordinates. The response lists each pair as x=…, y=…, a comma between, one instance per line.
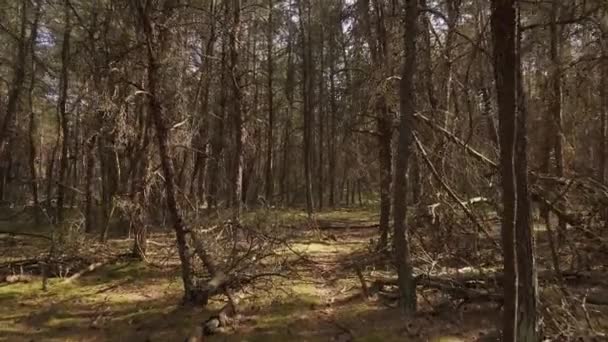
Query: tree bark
x=505, y=37
x=155, y=109
x=289, y=95
x=237, y=115
x=527, y=317
x=320, y=124
x=205, y=129
x=604, y=99
x=555, y=107
x=407, y=284
x=90, y=205
x=15, y=85
x=307, y=89
x=217, y=125
x=333, y=123
x=378, y=48
x=33, y=150
x=63, y=115
x=269, y=191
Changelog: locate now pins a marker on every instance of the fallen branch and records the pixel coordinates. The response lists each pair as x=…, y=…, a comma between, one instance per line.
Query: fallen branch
x=92, y=267
x=218, y=278
x=477, y=155
x=18, y=278
x=454, y=288
x=535, y=194
x=568, y=218
x=446, y=187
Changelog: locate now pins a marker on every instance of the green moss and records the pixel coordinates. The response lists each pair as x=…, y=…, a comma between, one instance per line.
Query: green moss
x=358, y=214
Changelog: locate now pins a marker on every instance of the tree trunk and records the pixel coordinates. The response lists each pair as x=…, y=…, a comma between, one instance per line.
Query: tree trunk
x=505, y=35
x=407, y=284
x=289, y=95
x=527, y=323
x=604, y=101
x=320, y=123
x=61, y=108
x=33, y=151
x=332, y=128
x=307, y=90
x=205, y=129
x=269, y=193
x=155, y=109
x=385, y=134
x=237, y=115
x=555, y=106
x=217, y=139
x=15, y=86
x=90, y=205
x=378, y=48
x=428, y=59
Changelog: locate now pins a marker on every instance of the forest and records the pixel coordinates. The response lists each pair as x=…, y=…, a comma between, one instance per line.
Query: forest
x=304, y=170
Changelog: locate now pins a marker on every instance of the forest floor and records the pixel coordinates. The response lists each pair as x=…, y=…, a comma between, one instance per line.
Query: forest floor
x=137, y=301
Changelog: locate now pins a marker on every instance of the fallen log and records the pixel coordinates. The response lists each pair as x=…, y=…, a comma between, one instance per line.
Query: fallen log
x=477, y=288
x=597, y=298
x=18, y=278
x=92, y=267
x=451, y=287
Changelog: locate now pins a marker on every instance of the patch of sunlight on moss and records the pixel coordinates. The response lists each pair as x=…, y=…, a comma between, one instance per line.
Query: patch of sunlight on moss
x=351, y=311
x=281, y=314
x=467, y=271
x=350, y=214
x=123, y=270
x=305, y=291
x=540, y=227
x=273, y=215
x=15, y=291
x=321, y=248
x=134, y=313
x=295, y=217
x=57, y=290
x=63, y=320
x=281, y=311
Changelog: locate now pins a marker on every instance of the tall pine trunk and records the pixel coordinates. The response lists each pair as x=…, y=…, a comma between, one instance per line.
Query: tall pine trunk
x=406, y=281
x=237, y=115
x=63, y=115
x=269, y=191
